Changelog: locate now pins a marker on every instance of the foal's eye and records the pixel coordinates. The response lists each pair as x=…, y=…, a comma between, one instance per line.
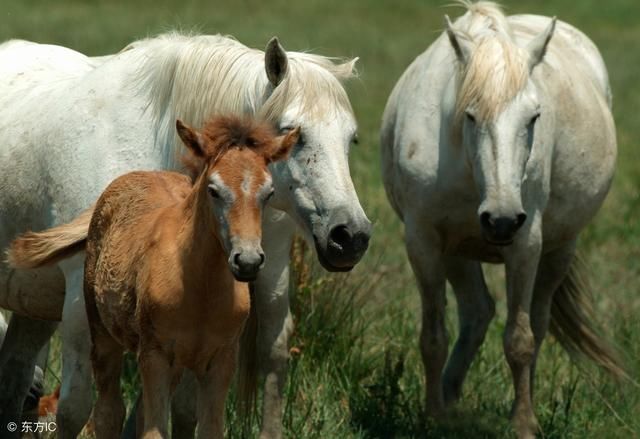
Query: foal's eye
x=213, y=192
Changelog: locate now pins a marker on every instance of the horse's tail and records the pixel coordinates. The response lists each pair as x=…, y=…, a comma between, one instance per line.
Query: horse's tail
x=572, y=322
x=248, y=368
x=37, y=249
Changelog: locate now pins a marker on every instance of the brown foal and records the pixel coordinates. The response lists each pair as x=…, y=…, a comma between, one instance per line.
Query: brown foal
x=167, y=261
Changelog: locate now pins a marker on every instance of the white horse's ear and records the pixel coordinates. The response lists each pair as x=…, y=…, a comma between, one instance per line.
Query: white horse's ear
x=191, y=138
x=538, y=46
x=461, y=46
x=276, y=62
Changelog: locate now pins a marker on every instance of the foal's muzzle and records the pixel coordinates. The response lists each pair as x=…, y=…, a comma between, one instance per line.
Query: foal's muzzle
x=246, y=263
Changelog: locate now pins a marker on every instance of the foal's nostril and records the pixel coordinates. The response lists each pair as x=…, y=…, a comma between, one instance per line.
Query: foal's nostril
x=236, y=259
x=261, y=259
x=520, y=219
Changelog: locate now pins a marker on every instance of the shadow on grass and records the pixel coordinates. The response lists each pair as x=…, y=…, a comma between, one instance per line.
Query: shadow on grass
x=384, y=410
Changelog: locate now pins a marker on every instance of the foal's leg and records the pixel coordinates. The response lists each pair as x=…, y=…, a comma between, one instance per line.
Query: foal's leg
x=274, y=322
x=23, y=341
x=552, y=270
x=212, y=392
x=183, y=407
x=521, y=263
x=183, y=411
x=475, y=311
x=74, y=406
x=157, y=376
x=426, y=261
x=106, y=358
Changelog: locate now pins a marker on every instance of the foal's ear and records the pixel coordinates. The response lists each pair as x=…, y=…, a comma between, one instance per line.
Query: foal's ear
x=283, y=145
x=461, y=45
x=191, y=138
x=276, y=62
x=538, y=46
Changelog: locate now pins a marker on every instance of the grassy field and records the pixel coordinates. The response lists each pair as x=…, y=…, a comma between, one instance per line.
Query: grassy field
x=359, y=373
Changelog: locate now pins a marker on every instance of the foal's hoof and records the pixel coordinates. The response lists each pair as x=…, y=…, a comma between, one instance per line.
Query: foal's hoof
x=436, y=411
x=526, y=427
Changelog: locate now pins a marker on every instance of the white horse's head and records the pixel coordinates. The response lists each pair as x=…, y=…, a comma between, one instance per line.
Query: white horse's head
x=193, y=77
x=497, y=110
x=314, y=185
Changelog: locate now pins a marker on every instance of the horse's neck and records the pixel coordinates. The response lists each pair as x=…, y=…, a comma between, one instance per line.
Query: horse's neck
x=199, y=239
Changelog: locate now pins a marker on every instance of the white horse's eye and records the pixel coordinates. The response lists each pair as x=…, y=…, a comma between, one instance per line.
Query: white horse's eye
x=285, y=129
x=270, y=194
x=534, y=119
x=470, y=117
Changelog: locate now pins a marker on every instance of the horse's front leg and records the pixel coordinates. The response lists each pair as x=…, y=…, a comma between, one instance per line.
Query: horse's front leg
x=476, y=308
x=157, y=378
x=422, y=244
x=274, y=322
x=213, y=388
x=521, y=264
x=74, y=406
x=552, y=270
x=183, y=407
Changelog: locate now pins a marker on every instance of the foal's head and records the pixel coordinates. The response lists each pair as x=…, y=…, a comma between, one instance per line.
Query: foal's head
x=231, y=157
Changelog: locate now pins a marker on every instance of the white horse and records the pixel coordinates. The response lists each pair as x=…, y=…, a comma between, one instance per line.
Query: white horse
x=70, y=124
x=498, y=145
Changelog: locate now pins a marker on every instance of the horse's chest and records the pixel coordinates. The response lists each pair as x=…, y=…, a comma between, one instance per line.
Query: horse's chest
x=196, y=327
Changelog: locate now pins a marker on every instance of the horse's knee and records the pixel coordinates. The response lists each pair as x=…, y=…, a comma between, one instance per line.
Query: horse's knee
x=478, y=323
x=273, y=341
x=434, y=339
x=519, y=342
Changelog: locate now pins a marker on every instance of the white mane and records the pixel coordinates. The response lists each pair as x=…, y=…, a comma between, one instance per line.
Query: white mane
x=497, y=69
x=194, y=77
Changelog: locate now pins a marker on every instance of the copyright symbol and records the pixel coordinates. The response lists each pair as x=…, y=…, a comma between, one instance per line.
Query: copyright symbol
x=12, y=426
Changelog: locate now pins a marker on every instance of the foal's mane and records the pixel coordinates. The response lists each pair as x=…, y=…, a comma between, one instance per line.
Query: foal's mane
x=497, y=69
x=192, y=77
x=223, y=133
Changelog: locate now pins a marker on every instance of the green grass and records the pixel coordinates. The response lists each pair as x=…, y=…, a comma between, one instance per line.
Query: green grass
x=359, y=372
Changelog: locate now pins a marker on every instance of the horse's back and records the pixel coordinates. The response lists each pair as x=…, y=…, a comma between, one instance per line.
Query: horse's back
x=24, y=64
x=410, y=133
x=136, y=197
